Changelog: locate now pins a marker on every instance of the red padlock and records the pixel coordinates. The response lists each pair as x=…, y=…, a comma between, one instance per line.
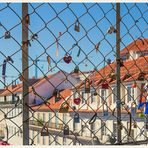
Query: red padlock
x=67, y=59
x=105, y=85
x=77, y=101
x=134, y=85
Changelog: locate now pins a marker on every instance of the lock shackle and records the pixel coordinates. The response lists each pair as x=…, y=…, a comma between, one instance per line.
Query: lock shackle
x=66, y=127
x=64, y=105
x=77, y=23
x=76, y=115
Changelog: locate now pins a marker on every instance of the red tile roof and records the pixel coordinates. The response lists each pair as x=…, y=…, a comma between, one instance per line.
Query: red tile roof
x=54, y=106
x=138, y=45
x=132, y=67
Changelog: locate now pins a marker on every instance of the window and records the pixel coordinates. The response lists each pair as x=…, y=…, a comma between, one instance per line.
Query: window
x=103, y=128
x=38, y=138
x=49, y=139
x=130, y=93
x=5, y=99
x=43, y=140
x=49, y=118
x=92, y=97
x=32, y=134
x=64, y=141
x=64, y=118
x=15, y=131
x=57, y=119
x=83, y=99
x=103, y=95
x=44, y=117
x=114, y=95
x=115, y=128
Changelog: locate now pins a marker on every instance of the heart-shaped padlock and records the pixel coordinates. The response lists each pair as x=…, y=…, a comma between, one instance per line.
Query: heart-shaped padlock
x=77, y=101
x=67, y=59
x=105, y=85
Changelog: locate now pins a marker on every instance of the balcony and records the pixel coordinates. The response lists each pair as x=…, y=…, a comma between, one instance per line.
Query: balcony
x=50, y=125
x=7, y=102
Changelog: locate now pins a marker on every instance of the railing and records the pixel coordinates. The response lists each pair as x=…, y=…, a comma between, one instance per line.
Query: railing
x=7, y=102
x=50, y=125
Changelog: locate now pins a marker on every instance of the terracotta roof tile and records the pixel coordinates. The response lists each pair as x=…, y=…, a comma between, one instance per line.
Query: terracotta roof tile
x=136, y=46
x=54, y=106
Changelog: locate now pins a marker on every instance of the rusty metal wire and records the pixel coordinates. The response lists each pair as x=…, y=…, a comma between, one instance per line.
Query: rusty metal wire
x=73, y=101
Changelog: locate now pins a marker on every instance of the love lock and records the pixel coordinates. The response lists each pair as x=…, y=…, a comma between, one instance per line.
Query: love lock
x=95, y=93
x=76, y=70
x=66, y=130
x=76, y=118
x=105, y=113
x=95, y=141
x=134, y=85
x=67, y=59
x=77, y=26
x=87, y=86
x=7, y=35
x=64, y=109
x=135, y=125
x=121, y=62
x=57, y=98
x=55, y=92
x=77, y=101
x=111, y=30
x=44, y=131
x=105, y=85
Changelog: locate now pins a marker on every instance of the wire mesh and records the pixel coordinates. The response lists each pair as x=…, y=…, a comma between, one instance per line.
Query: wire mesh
x=77, y=79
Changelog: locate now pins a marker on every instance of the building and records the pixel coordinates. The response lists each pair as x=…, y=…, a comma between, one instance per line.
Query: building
x=98, y=99
x=11, y=101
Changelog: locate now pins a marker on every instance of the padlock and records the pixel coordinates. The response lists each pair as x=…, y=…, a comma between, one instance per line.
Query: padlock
x=141, y=115
x=77, y=26
x=135, y=125
x=66, y=130
x=34, y=101
x=67, y=59
x=134, y=85
x=105, y=113
x=64, y=108
x=21, y=78
x=44, y=131
x=87, y=86
x=7, y=35
x=76, y=118
x=108, y=61
x=105, y=85
x=57, y=98
x=55, y=92
x=77, y=101
x=112, y=75
x=95, y=93
x=146, y=126
x=87, y=89
x=141, y=76
x=76, y=70
x=121, y=62
x=95, y=141
x=97, y=46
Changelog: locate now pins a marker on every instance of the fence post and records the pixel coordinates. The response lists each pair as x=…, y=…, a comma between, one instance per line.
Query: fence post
x=118, y=101
x=25, y=74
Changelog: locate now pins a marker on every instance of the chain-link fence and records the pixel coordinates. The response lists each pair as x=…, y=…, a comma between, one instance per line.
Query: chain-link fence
x=73, y=73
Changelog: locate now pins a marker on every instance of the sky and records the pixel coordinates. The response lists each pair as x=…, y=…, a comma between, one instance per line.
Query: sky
x=48, y=19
